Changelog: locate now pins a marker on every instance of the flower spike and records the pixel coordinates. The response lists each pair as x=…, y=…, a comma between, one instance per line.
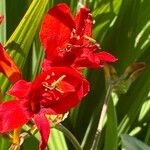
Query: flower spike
x=59, y=90
x=67, y=40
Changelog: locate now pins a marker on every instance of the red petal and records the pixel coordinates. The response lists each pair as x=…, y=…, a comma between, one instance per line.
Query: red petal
x=87, y=59
x=66, y=87
x=56, y=28
x=44, y=128
x=85, y=88
x=46, y=64
x=8, y=66
x=12, y=115
x=60, y=107
x=76, y=87
x=104, y=56
x=69, y=101
x=20, y=89
x=1, y=19
x=84, y=22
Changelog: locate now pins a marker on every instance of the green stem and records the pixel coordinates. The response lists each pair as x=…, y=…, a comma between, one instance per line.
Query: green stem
x=69, y=135
x=102, y=117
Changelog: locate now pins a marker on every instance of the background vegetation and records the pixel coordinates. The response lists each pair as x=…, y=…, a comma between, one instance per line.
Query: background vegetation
x=123, y=28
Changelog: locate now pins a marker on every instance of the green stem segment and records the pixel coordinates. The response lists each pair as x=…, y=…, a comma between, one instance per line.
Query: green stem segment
x=102, y=117
x=69, y=135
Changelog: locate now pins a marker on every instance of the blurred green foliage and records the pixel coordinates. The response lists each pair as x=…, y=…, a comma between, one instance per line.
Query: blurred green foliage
x=123, y=29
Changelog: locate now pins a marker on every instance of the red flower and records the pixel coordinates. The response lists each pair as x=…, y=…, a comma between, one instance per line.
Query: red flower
x=67, y=40
x=1, y=19
x=8, y=66
x=53, y=92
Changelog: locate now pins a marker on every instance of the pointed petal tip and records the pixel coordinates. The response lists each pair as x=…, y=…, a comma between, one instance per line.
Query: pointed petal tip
x=20, y=89
x=43, y=126
x=12, y=115
x=105, y=56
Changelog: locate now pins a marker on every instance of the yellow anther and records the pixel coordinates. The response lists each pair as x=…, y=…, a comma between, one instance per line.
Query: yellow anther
x=47, y=77
x=53, y=74
x=54, y=84
x=90, y=39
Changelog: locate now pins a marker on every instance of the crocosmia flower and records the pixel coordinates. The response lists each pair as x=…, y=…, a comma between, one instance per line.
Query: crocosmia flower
x=8, y=66
x=53, y=92
x=67, y=40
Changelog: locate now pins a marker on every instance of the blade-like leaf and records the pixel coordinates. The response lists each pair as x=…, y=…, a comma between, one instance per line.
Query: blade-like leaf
x=20, y=42
x=131, y=143
x=111, y=134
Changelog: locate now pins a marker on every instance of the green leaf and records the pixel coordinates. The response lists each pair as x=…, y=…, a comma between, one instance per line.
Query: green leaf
x=111, y=134
x=57, y=140
x=3, y=25
x=131, y=143
x=19, y=43
x=134, y=98
x=4, y=143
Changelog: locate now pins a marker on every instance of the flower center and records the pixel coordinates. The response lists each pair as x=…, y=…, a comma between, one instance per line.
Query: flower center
x=54, y=85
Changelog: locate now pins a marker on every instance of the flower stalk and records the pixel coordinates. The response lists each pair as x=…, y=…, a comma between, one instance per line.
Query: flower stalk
x=69, y=135
x=102, y=117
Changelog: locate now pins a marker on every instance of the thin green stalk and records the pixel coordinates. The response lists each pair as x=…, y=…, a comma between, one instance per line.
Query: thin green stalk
x=69, y=135
x=102, y=117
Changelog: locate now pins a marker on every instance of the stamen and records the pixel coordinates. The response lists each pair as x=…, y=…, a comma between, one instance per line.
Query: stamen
x=73, y=30
x=88, y=21
x=57, y=98
x=89, y=14
x=98, y=45
x=53, y=74
x=59, y=90
x=75, y=46
x=72, y=35
x=90, y=39
x=47, y=77
x=78, y=37
x=94, y=21
x=54, y=84
x=47, y=87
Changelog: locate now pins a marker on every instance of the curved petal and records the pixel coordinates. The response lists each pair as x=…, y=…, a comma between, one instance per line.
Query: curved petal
x=20, y=89
x=69, y=101
x=84, y=22
x=56, y=28
x=84, y=89
x=62, y=106
x=46, y=65
x=66, y=87
x=87, y=59
x=104, y=56
x=12, y=115
x=93, y=60
x=8, y=66
x=44, y=128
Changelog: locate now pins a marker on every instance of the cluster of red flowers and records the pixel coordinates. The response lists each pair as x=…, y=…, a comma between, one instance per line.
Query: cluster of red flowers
x=68, y=46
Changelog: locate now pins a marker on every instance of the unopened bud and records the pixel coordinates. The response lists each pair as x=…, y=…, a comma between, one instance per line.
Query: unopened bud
x=134, y=67
x=110, y=72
